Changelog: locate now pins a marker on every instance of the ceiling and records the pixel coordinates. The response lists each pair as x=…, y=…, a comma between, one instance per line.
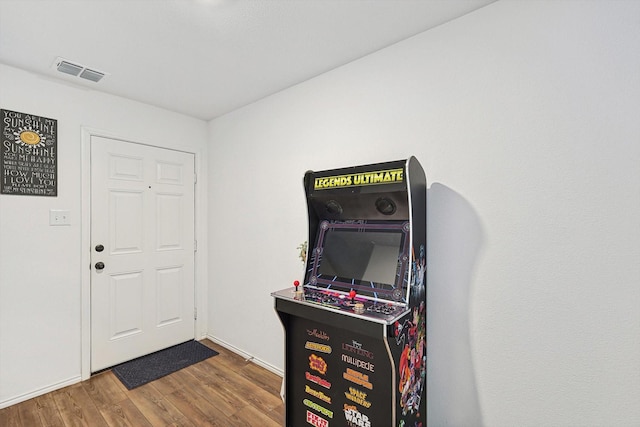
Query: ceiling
x=204, y=58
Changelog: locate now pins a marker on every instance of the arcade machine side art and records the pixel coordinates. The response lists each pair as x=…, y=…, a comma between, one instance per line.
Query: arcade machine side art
x=355, y=331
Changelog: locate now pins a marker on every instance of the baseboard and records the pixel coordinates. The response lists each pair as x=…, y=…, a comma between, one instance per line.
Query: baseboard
x=39, y=392
x=247, y=356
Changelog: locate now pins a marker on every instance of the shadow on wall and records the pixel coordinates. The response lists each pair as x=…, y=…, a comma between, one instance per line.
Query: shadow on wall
x=454, y=238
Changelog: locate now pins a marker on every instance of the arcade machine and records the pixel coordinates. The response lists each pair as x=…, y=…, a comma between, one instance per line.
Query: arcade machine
x=355, y=330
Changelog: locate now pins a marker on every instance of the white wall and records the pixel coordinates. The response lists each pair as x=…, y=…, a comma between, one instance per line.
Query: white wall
x=40, y=265
x=525, y=118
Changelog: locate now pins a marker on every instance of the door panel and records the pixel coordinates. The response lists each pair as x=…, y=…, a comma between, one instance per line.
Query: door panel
x=169, y=295
x=126, y=210
x=142, y=212
x=126, y=304
x=169, y=212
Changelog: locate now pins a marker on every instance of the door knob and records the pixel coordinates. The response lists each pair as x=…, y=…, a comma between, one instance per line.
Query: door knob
x=99, y=248
x=99, y=265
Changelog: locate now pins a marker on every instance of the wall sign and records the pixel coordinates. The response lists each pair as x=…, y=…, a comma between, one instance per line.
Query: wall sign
x=29, y=162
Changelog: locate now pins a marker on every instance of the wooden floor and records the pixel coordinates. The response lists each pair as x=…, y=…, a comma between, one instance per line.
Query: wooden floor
x=224, y=390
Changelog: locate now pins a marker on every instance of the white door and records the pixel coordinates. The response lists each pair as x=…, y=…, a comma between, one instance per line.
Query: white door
x=142, y=250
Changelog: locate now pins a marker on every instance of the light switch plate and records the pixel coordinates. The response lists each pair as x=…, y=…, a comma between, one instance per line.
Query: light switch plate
x=59, y=217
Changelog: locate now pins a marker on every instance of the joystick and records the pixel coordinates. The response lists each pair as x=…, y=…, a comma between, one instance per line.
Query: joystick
x=358, y=307
x=297, y=294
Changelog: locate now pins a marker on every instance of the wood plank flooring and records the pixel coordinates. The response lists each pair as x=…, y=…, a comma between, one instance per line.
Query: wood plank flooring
x=224, y=391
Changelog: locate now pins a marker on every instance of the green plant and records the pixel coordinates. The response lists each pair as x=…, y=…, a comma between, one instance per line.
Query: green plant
x=303, y=251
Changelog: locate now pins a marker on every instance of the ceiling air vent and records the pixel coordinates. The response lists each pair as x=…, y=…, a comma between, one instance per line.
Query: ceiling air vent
x=69, y=68
x=77, y=70
x=92, y=75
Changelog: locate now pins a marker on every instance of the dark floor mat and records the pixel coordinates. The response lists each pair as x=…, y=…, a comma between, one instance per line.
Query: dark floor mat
x=156, y=365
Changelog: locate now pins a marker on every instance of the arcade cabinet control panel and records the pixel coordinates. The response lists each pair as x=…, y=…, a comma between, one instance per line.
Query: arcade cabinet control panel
x=378, y=311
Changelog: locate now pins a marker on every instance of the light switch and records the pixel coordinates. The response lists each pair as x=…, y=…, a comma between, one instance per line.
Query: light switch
x=59, y=217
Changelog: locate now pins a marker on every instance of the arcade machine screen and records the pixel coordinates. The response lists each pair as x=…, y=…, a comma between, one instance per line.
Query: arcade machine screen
x=368, y=257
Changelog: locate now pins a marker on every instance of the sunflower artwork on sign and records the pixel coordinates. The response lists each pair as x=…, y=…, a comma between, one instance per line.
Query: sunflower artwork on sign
x=28, y=136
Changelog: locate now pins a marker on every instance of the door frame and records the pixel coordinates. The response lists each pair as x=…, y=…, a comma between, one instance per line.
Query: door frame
x=200, y=273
